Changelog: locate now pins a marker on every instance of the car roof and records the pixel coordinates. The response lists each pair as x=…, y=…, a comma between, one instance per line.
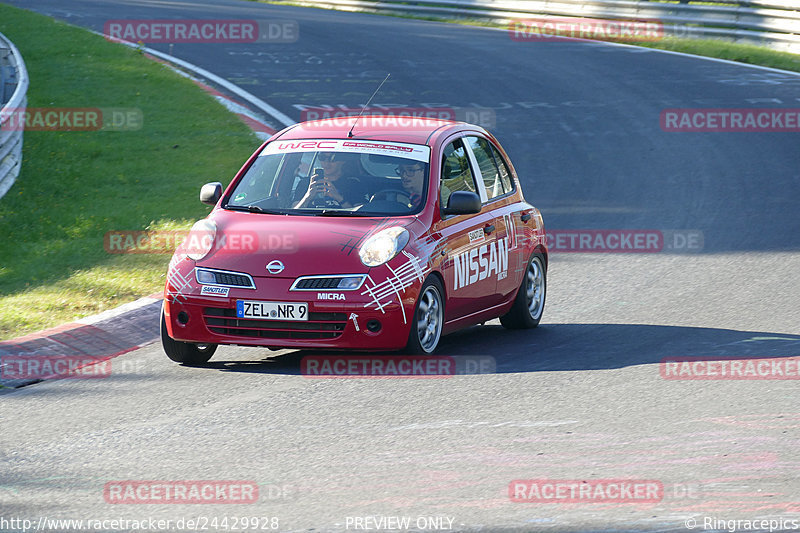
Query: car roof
x=415, y=130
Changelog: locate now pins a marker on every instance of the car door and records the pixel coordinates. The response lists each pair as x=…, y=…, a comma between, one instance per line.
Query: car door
x=494, y=177
x=469, y=239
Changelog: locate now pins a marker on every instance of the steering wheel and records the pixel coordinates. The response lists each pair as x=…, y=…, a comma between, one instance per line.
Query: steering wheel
x=385, y=193
x=324, y=201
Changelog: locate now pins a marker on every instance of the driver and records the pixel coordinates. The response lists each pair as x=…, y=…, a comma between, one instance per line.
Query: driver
x=412, y=178
x=332, y=189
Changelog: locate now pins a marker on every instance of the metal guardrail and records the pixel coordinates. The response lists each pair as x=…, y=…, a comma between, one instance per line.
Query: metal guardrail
x=13, y=98
x=772, y=23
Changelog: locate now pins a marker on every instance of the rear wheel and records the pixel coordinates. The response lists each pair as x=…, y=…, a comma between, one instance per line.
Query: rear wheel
x=187, y=353
x=428, y=319
x=529, y=303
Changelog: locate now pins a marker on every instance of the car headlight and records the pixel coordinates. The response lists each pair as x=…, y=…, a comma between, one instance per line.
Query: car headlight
x=200, y=240
x=383, y=246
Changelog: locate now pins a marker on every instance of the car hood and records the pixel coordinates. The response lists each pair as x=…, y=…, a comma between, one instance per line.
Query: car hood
x=305, y=245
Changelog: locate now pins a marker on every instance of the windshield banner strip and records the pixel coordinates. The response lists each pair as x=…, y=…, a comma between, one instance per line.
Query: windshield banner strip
x=415, y=152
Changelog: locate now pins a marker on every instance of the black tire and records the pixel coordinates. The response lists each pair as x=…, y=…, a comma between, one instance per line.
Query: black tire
x=428, y=310
x=529, y=303
x=186, y=353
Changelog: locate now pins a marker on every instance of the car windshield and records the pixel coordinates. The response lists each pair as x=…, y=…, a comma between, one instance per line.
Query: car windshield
x=335, y=178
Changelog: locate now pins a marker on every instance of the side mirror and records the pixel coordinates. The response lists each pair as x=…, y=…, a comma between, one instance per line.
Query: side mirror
x=210, y=193
x=463, y=203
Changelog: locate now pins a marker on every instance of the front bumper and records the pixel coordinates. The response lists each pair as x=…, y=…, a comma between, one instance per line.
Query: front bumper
x=193, y=317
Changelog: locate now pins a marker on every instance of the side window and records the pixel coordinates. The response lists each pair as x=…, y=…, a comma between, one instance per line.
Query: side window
x=505, y=174
x=496, y=178
x=300, y=178
x=456, y=174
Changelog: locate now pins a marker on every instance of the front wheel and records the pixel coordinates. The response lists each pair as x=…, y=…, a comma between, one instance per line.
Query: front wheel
x=428, y=319
x=186, y=353
x=529, y=303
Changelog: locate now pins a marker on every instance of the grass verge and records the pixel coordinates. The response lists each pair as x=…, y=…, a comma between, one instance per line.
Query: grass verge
x=76, y=186
x=743, y=53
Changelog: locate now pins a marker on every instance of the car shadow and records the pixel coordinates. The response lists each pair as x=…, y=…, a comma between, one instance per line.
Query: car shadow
x=560, y=347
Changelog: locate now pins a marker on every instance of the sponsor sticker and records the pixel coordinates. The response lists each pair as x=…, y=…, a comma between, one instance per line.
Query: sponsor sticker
x=408, y=151
x=480, y=263
x=210, y=290
x=477, y=235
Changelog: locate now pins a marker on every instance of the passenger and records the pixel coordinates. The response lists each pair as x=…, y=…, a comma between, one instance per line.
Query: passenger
x=337, y=187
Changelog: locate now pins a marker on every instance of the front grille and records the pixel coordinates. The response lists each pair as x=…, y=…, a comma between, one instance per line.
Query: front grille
x=318, y=325
x=318, y=283
x=313, y=283
x=234, y=280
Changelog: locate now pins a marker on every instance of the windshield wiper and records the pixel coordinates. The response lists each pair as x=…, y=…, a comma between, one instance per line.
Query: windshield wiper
x=342, y=213
x=252, y=209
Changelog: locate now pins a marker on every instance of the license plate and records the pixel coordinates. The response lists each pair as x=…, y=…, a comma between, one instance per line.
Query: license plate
x=272, y=310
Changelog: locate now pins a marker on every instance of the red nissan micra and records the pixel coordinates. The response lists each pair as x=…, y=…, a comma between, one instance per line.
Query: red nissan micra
x=374, y=233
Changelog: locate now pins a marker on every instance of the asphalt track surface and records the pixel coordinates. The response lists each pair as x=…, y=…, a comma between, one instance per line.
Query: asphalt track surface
x=580, y=398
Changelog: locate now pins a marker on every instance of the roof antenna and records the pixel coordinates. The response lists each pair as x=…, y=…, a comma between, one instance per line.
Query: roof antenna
x=350, y=133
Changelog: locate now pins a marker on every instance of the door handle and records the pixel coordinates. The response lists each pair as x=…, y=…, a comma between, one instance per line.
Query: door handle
x=488, y=229
x=525, y=217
